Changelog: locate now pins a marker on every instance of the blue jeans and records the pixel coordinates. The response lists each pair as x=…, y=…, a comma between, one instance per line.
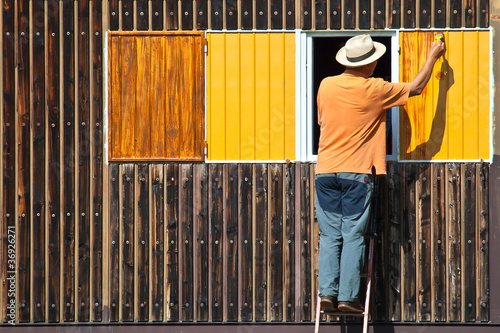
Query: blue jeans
x=343, y=209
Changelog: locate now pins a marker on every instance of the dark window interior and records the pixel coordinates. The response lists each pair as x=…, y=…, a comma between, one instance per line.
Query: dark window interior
x=324, y=51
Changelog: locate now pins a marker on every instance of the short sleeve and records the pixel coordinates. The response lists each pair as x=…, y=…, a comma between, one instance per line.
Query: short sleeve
x=394, y=94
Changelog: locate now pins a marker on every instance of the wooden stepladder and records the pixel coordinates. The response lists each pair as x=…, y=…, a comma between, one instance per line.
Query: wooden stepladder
x=368, y=271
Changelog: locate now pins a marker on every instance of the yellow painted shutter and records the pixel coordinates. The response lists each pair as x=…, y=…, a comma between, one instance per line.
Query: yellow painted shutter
x=251, y=96
x=156, y=96
x=450, y=120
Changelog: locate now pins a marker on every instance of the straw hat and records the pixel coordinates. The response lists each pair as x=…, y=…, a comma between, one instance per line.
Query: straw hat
x=359, y=51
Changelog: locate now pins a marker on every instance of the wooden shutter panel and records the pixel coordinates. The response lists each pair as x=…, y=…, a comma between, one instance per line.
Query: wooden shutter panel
x=156, y=96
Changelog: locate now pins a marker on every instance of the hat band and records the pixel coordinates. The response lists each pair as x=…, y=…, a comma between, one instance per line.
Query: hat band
x=362, y=57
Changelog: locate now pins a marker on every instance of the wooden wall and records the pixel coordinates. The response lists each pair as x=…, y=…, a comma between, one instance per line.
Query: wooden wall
x=74, y=261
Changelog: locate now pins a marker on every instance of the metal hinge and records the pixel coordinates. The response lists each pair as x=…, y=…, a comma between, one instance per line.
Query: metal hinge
x=206, y=48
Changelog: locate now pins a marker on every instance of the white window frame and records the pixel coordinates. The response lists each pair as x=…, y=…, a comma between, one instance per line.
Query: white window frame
x=304, y=89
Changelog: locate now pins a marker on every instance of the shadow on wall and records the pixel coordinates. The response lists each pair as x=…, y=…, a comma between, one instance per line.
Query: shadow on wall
x=428, y=149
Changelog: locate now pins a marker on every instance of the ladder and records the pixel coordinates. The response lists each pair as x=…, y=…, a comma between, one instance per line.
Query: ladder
x=371, y=236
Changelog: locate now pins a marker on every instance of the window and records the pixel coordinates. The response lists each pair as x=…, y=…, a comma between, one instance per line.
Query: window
x=156, y=103
x=318, y=61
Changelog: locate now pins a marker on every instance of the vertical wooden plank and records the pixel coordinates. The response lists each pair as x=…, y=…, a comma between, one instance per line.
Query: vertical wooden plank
x=128, y=101
x=142, y=15
x=127, y=18
x=289, y=273
x=425, y=14
x=455, y=13
x=261, y=11
x=483, y=11
x=262, y=89
x=482, y=242
x=320, y=15
x=290, y=14
x=201, y=185
x=9, y=159
x=469, y=8
x=439, y=13
x=114, y=19
x=469, y=241
x=172, y=183
x=68, y=204
x=172, y=14
x=97, y=160
x=186, y=239
x=83, y=152
x=335, y=14
x=276, y=242
x=408, y=241
x=127, y=229
x=424, y=277
x=54, y=163
x=187, y=15
x=349, y=12
x=394, y=187
x=261, y=239
x=115, y=95
x=172, y=103
x=454, y=217
x=231, y=14
x=114, y=240
x=409, y=12
x=247, y=99
x=379, y=20
x=38, y=162
x=141, y=111
x=216, y=15
x=157, y=97
x=277, y=95
x=246, y=14
x=364, y=13
x=471, y=114
x=276, y=7
x=305, y=15
x=231, y=242
x=394, y=14
x=24, y=162
x=157, y=241
x=157, y=14
x=246, y=244
x=439, y=240
x=305, y=236
x=201, y=14
x=483, y=107
x=232, y=98
x=142, y=246
x=380, y=260
x=216, y=234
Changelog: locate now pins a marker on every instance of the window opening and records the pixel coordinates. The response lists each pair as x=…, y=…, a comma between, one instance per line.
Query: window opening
x=324, y=65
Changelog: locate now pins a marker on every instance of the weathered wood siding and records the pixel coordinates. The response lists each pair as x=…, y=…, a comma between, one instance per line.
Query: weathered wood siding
x=85, y=241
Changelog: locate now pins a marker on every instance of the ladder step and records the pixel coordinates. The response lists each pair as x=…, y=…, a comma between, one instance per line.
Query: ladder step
x=341, y=313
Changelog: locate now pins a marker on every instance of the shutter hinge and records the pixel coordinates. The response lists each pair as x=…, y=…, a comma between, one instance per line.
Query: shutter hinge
x=206, y=49
x=205, y=150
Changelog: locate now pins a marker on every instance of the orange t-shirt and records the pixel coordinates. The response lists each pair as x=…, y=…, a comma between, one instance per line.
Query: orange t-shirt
x=351, y=114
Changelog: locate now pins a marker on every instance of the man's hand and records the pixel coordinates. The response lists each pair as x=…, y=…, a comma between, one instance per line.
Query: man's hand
x=437, y=49
x=418, y=84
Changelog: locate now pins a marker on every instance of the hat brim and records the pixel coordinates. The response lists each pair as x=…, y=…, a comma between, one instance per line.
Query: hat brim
x=342, y=58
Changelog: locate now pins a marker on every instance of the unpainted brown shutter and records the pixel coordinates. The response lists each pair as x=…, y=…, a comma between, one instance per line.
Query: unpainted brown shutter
x=156, y=96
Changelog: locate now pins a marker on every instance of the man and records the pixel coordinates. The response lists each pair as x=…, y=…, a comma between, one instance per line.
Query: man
x=352, y=150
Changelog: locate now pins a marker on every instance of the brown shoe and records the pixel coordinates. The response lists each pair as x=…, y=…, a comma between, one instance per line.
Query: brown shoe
x=351, y=307
x=328, y=303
